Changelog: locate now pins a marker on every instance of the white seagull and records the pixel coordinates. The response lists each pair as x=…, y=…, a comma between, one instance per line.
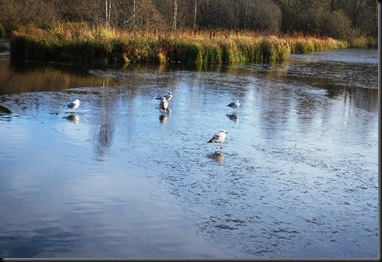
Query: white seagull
x=235, y=104
x=73, y=105
x=168, y=96
x=218, y=138
x=163, y=104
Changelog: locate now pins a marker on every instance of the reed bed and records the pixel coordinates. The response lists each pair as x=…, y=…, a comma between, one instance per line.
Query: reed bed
x=78, y=42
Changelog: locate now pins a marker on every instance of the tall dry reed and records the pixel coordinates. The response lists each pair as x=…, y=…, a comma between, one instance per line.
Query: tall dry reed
x=78, y=42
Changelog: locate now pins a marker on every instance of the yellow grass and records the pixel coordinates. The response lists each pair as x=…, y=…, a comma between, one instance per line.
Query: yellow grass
x=78, y=42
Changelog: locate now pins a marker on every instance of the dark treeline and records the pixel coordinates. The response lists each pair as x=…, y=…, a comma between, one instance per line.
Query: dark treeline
x=340, y=19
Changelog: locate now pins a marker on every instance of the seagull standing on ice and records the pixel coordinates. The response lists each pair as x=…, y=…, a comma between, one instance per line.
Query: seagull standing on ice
x=218, y=138
x=163, y=104
x=168, y=96
x=234, y=105
x=73, y=105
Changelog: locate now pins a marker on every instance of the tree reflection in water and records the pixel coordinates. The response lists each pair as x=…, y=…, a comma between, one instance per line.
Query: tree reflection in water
x=106, y=128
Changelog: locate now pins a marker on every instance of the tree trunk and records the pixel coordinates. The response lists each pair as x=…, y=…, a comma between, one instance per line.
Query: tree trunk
x=134, y=18
x=195, y=11
x=108, y=12
x=175, y=15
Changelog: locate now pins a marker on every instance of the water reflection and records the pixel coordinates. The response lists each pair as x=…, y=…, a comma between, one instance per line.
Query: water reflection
x=105, y=137
x=350, y=67
x=73, y=118
x=4, y=110
x=233, y=117
x=343, y=74
x=163, y=118
x=363, y=98
x=106, y=109
x=22, y=76
x=5, y=113
x=217, y=156
x=164, y=115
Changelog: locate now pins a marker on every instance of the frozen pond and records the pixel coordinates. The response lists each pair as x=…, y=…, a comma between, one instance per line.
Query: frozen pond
x=297, y=176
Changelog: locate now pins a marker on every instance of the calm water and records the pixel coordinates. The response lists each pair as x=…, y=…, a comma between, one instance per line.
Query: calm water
x=297, y=177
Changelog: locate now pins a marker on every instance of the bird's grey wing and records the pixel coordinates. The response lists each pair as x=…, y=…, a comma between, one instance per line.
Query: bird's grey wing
x=70, y=105
x=214, y=138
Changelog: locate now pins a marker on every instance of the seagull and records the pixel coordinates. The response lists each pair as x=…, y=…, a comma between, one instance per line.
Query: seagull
x=235, y=104
x=163, y=103
x=218, y=138
x=168, y=96
x=73, y=105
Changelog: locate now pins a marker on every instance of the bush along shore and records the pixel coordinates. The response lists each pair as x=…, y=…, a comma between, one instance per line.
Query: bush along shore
x=77, y=42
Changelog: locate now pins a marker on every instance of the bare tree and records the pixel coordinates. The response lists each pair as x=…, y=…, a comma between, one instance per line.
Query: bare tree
x=147, y=16
x=175, y=15
x=335, y=18
x=134, y=17
x=18, y=12
x=107, y=12
x=195, y=11
x=91, y=11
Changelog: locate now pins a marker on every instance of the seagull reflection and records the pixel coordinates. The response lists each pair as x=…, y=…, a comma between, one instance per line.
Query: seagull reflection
x=164, y=116
x=73, y=118
x=217, y=156
x=233, y=117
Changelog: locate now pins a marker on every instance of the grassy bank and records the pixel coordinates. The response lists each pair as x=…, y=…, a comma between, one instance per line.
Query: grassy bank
x=77, y=42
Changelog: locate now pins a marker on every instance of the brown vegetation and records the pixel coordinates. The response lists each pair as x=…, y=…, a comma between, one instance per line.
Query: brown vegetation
x=79, y=42
x=339, y=19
